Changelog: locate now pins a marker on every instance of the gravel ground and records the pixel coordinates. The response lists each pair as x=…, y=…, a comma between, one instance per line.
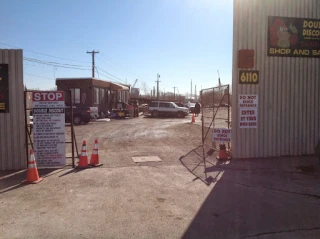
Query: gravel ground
x=269, y=198
x=119, y=140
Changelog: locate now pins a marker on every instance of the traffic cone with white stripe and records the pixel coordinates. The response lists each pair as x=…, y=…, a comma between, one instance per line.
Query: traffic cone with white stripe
x=83, y=161
x=32, y=174
x=94, y=161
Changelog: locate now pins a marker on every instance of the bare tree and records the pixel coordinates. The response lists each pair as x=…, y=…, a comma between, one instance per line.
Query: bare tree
x=144, y=88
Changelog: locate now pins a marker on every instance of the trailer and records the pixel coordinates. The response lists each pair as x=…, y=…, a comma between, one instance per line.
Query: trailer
x=93, y=92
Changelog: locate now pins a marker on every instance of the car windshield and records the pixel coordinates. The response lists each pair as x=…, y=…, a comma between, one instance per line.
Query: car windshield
x=174, y=104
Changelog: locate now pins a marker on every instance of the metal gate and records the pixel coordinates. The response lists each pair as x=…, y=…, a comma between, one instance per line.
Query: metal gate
x=216, y=113
x=70, y=138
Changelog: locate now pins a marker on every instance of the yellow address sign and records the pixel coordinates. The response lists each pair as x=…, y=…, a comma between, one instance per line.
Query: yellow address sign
x=248, y=77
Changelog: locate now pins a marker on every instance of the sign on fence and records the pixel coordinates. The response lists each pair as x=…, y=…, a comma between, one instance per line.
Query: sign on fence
x=248, y=105
x=221, y=135
x=49, y=128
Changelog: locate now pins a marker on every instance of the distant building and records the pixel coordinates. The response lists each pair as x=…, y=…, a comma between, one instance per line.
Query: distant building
x=93, y=92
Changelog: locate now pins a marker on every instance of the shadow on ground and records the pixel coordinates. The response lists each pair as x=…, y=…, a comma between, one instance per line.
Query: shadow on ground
x=11, y=180
x=254, y=201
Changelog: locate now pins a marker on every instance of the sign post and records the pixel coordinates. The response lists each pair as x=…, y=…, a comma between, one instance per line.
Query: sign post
x=49, y=128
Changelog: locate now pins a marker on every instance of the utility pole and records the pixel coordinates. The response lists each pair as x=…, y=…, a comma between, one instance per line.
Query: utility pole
x=158, y=76
x=191, y=91
x=92, y=53
x=174, y=93
x=195, y=92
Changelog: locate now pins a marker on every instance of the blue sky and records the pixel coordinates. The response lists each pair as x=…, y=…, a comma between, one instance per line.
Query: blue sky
x=179, y=39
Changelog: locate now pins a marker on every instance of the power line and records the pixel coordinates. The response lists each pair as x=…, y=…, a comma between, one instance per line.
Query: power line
x=39, y=53
x=109, y=74
x=108, y=77
x=53, y=64
x=115, y=68
x=121, y=67
x=97, y=72
x=38, y=76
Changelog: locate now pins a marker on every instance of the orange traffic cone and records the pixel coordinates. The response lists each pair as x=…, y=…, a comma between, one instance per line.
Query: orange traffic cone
x=94, y=161
x=223, y=153
x=32, y=174
x=193, y=119
x=83, y=161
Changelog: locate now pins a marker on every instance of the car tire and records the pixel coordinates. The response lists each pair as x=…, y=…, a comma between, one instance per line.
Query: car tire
x=155, y=113
x=77, y=119
x=181, y=114
x=86, y=122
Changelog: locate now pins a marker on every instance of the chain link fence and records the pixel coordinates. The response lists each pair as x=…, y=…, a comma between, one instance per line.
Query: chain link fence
x=216, y=112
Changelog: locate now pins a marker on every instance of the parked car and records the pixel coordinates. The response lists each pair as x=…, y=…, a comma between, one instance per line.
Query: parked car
x=192, y=107
x=181, y=104
x=165, y=108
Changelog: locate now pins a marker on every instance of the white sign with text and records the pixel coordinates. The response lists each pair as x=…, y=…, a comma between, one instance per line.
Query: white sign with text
x=49, y=129
x=248, y=115
x=221, y=135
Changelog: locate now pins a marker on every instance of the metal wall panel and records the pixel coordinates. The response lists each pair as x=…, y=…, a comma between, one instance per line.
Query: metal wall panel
x=288, y=89
x=12, y=128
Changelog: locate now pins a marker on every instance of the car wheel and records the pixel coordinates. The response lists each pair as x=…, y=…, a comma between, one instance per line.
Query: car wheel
x=181, y=114
x=155, y=113
x=77, y=119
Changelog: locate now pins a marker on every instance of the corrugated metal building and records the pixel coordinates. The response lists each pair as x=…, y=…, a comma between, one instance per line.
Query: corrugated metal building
x=288, y=120
x=12, y=127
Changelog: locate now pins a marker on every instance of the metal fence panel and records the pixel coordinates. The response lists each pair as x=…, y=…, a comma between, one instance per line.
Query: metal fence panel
x=216, y=111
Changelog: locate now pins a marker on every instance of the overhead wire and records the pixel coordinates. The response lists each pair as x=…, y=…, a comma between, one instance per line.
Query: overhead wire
x=37, y=76
x=39, y=53
x=51, y=62
x=121, y=67
x=56, y=64
x=110, y=74
x=71, y=66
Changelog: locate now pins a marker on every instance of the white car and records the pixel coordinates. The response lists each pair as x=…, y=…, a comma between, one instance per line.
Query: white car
x=165, y=108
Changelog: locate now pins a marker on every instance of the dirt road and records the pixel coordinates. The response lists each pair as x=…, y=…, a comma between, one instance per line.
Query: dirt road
x=119, y=140
x=246, y=198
